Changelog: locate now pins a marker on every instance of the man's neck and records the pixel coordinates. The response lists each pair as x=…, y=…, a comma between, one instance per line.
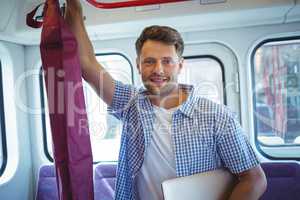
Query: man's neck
x=174, y=99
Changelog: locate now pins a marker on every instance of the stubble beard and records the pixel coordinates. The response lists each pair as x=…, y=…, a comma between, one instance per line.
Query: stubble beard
x=163, y=91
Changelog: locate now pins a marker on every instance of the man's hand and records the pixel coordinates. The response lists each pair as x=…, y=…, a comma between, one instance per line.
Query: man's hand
x=74, y=6
x=251, y=185
x=74, y=19
x=73, y=14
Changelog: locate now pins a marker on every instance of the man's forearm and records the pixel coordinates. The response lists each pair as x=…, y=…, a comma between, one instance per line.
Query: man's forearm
x=251, y=185
x=248, y=190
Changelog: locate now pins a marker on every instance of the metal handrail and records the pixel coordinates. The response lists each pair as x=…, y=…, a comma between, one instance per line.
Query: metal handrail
x=130, y=3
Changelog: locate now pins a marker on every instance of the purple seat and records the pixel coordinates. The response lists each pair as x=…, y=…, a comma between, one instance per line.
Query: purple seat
x=47, y=188
x=105, y=180
x=283, y=181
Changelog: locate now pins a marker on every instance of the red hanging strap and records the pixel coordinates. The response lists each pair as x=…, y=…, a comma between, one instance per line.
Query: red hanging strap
x=30, y=21
x=68, y=119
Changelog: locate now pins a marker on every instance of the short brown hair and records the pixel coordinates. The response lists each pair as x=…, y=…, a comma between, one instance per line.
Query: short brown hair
x=163, y=34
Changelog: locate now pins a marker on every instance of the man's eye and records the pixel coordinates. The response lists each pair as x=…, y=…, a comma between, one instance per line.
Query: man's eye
x=149, y=62
x=167, y=61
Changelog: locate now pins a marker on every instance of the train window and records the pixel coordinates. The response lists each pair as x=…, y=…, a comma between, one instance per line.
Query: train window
x=3, y=153
x=206, y=74
x=276, y=86
x=104, y=128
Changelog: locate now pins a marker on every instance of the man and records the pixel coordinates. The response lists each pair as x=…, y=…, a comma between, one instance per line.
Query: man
x=167, y=131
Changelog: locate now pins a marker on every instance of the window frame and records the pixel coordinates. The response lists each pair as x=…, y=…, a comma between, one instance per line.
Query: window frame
x=43, y=116
x=218, y=60
x=42, y=100
x=259, y=145
x=2, y=124
x=122, y=55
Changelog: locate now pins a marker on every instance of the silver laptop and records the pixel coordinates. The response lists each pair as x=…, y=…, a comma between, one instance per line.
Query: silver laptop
x=212, y=185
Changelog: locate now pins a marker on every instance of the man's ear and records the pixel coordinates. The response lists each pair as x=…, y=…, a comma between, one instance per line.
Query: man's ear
x=137, y=60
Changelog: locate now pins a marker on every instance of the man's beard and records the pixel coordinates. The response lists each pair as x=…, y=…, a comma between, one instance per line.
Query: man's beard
x=162, y=91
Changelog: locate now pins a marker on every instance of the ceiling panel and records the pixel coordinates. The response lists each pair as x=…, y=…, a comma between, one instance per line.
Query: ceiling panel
x=6, y=10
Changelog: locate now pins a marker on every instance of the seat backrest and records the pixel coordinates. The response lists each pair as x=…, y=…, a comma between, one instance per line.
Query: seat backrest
x=47, y=188
x=105, y=180
x=283, y=181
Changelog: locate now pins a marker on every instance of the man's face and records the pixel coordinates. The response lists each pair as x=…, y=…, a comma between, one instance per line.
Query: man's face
x=159, y=66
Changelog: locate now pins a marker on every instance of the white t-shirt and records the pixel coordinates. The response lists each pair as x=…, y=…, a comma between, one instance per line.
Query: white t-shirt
x=159, y=161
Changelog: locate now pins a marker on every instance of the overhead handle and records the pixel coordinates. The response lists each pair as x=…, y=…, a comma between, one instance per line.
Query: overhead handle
x=129, y=3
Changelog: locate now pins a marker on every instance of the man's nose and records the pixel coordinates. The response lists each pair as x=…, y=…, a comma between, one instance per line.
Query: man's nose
x=158, y=68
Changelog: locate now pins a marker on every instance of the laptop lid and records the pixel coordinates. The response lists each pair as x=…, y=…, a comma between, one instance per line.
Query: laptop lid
x=212, y=185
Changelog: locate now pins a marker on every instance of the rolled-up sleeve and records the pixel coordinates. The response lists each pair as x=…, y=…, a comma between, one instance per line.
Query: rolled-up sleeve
x=234, y=148
x=121, y=99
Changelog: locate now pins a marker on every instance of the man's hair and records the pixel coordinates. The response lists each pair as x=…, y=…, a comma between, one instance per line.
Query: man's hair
x=162, y=34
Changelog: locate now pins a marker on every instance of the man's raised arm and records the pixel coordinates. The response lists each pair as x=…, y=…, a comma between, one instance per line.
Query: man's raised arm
x=92, y=71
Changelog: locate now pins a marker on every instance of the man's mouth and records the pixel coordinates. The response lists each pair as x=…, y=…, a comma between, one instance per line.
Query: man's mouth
x=158, y=80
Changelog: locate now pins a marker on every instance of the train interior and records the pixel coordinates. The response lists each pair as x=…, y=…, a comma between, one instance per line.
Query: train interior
x=245, y=54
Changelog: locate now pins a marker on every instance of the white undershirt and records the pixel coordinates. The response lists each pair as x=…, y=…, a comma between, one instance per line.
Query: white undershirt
x=159, y=161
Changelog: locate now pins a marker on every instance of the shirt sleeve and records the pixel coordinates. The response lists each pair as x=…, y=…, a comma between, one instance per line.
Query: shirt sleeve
x=234, y=148
x=121, y=99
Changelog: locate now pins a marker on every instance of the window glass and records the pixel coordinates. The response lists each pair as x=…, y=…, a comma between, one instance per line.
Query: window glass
x=276, y=67
x=105, y=130
x=206, y=74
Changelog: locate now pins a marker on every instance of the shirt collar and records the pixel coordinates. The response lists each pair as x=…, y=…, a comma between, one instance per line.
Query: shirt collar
x=187, y=108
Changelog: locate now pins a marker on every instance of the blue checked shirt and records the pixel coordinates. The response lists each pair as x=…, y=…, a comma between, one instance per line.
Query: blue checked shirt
x=206, y=136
